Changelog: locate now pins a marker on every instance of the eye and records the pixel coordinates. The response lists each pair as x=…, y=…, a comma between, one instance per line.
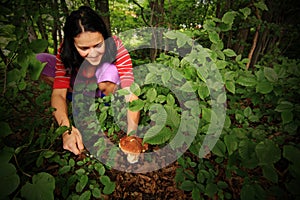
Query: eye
x=99, y=45
x=84, y=48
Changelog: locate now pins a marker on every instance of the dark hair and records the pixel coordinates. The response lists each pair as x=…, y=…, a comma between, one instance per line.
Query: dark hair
x=90, y=21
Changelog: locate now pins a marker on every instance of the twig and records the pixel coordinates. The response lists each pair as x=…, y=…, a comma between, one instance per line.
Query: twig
x=5, y=60
x=142, y=12
x=16, y=160
x=254, y=43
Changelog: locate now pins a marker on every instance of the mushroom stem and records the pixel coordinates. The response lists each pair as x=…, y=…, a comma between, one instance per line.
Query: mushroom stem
x=133, y=158
x=133, y=147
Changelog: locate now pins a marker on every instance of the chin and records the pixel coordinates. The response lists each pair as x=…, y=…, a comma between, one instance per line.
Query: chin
x=93, y=62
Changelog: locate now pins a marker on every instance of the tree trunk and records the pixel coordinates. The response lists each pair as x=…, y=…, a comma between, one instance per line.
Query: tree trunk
x=55, y=25
x=64, y=7
x=157, y=19
x=42, y=28
x=241, y=40
x=103, y=7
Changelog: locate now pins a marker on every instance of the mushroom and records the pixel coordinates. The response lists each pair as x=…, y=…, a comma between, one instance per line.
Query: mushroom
x=132, y=146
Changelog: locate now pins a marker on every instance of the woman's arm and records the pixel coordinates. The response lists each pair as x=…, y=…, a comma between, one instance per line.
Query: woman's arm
x=73, y=141
x=133, y=117
x=124, y=66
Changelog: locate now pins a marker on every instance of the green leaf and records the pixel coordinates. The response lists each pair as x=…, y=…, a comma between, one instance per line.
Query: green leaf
x=123, y=92
x=229, y=52
x=171, y=35
x=136, y=105
x=211, y=189
x=248, y=112
x=187, y=185
x=264, y=87
x=5, y=129
x=85, y=196
x=270, y=74
x=96, y=193
x=231, y=143
x=287, y=117
x=219, y=149
x=173, y=118
x=284, y=106
x=6, y=154
x=35, y=67
x=135, y=89
x=99, y=168
x=203, y=91
x=60, y=130
x=38, y=45
x=80, y=171
x=229, y=17
x=246, y=149
x=22, y=85
x=48, y=153
x=202, y=73
x=187, y=87
x=13, y=76
x=196, y=195
x=65, y=169
x=269, y=172
x=9, y=179
x=102, y=117
x=261, y=5
x=181, y=41
x=292, y=154
x=165, y=77
x=160, y=99
x=230, y=86
x=221, y=64
x=150, y=78
x=267, y=152
x=105, y=180
x=82, y=183
x=247, y=81
x=151, y=94
x=177, y=75
x=222, y=185
x=221, y=98
x=219, y=53
x=109, y=188
x=246, y=12
x=42, y=187
x=154, y=137
x=214, y=37
x=247, y=192
x=170, y=99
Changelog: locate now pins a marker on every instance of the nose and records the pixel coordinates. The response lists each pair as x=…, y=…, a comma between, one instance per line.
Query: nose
x=92, y=52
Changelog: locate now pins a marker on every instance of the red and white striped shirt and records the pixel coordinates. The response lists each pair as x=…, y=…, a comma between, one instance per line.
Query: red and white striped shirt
x=123, y=64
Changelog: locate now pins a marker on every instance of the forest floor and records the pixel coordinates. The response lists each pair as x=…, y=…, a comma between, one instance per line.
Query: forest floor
x=151, y=185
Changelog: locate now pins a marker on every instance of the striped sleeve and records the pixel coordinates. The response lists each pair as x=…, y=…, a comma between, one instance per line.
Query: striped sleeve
x=123, y=64
x=61, y=80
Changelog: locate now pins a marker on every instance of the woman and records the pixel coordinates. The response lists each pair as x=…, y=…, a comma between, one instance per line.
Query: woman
x=87, y=39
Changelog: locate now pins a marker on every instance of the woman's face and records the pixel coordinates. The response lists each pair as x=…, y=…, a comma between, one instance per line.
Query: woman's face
x=91, y=46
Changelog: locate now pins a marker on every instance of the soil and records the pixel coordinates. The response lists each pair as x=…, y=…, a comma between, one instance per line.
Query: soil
x=156, y=185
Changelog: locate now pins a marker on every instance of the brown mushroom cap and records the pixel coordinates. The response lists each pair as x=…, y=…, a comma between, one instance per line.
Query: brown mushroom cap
x=131, y=145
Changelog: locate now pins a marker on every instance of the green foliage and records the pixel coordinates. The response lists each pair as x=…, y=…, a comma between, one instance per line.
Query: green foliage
x=263, y=109
x=42, y=186
x=256, y=156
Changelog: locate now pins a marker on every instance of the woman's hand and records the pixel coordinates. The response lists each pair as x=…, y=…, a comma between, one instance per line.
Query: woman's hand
x=73, y=142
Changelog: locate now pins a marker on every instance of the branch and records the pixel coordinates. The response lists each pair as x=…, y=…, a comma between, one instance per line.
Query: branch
x=254, y=43
x=5, y=60
x=142, y=12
